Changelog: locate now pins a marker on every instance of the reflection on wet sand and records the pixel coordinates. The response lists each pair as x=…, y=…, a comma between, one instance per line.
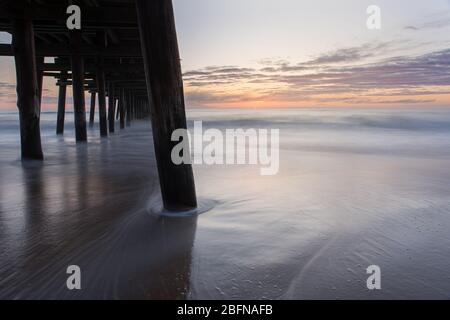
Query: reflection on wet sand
x=87, y=207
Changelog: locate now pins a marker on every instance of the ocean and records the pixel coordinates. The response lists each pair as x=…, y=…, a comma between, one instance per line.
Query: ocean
x=355, y=188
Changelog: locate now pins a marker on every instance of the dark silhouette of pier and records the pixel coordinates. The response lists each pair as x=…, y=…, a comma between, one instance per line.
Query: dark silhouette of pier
x=126, y=51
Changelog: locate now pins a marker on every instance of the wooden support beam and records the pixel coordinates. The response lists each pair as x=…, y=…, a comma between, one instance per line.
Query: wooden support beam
x=40, y=74
x=6, y=49
x=128, y=99
x=118, y=104
x=133, y=107
x=44, y=38
x=92, y=109
x=111, y=107
x=165, y=90
x=139, y=109
x=110, y=67
x=100, y=41
x=88, y=85
x=122, y=50
x=27, y=88
x=102, y=102
x=113, y=36
x=61, y=105
x=93, y=17
x=122, y=106
x=78, y=86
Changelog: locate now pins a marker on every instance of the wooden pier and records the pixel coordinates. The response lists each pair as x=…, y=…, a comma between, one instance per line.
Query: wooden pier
x=126, y=51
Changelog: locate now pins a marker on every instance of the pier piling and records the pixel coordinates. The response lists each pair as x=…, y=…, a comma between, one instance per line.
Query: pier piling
x=78, y=86
x=28, y=100
x=92, y=109
x=165, y=89
x=111, y=107
x=102, y=101
x=122, y=106
x=61, y=104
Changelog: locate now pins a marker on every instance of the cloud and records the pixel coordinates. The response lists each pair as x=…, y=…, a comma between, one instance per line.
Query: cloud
x=212, y=97
x=7, y=92
x=442, y=20
x=343, y=55
x=427, y=70
x=406, y=101
x=49, y=100
x=6, y=85
x=326, y=79
x=8, y=95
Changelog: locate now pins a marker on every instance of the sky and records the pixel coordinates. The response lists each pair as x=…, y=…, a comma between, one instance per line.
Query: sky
x=296, y=53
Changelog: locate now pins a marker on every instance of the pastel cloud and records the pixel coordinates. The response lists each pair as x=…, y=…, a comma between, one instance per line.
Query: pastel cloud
x=342, y=77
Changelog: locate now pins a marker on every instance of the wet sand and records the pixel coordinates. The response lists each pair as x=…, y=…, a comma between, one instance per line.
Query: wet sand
x=87, y=206
x=354, y=189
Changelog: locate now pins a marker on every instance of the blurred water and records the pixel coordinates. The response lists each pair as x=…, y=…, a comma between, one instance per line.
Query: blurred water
x=355, y=188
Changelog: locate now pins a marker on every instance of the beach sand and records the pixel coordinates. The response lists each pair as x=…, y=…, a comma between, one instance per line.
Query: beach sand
x=355, y=188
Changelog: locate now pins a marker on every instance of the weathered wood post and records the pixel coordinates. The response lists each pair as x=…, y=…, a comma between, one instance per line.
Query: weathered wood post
x=138, y=108
x=122, y=104
x=101, y=84
x=165, y=91
x=40, y=75
x=61, y=103
x=118, y=103
x=92, y=109
x=128, y=107
x=133, y=106
x=78, y=85
x=111, y=106
x=28, y=100
x=102, y=100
